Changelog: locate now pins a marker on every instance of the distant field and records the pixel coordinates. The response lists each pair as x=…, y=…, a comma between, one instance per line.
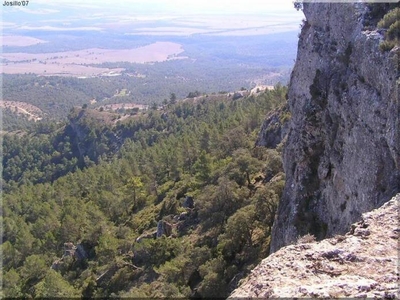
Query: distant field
x=20, y=41
x=55, y=69
x=50, y=75
x=76, y=63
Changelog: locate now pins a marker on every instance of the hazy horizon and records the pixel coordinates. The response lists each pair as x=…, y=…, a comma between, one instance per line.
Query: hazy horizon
x=104, y=15
x=94, y=38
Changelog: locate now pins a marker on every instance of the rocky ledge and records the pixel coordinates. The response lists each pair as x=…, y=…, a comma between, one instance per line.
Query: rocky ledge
x=361, y=264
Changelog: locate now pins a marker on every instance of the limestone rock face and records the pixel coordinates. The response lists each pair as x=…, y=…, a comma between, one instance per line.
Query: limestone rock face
x=274, y=129
x=361, y=264
x=341, y=157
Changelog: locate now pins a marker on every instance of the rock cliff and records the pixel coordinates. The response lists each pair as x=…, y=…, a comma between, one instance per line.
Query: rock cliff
x=93, y=134
x=341, y=157
x=361, y=264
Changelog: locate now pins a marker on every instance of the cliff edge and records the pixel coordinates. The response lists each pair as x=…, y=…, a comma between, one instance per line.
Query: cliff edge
x=341, y=157
x=361, y=264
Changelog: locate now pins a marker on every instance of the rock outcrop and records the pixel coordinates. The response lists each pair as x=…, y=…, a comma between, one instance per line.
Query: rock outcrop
x=93, y=134
x=361, y=264
x=341, y=157
x=163, y=228
x=274, y=128
x=78, y=253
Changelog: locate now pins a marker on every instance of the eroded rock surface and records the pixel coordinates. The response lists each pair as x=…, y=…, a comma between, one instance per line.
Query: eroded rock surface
x=362, y=263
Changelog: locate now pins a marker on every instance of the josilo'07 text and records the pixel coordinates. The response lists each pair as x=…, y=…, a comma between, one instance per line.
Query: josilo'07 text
x=15, y=3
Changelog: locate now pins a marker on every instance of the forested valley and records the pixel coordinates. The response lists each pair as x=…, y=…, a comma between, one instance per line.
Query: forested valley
x=171, y=202
x=208, y=64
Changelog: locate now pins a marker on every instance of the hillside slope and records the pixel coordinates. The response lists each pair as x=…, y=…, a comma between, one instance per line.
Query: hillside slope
x=173, y=202
x=342, y=156
x=363, y=263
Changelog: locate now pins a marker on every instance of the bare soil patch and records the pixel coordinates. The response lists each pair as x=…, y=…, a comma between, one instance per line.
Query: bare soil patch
x=260, y=88
x=125, y=106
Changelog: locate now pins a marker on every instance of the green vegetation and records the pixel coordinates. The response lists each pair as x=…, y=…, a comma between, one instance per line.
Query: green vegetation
x=390, y=18
x=391, y=22
x=190, y=171
x=375, y=13
x=384, y=16
x=36, y=158
x=55, y=96
x=13, y=121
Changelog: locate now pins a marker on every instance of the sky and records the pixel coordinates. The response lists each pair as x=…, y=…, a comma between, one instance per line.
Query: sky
x=157, y=6
x=95, y=15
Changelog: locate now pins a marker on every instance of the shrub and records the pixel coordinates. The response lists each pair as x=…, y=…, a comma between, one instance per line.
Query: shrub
x=391, y=22
x=285, y=116
x=387, y=45
x=394, y=31
x=391, y=17
x=298, y=5
x=305, y=239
